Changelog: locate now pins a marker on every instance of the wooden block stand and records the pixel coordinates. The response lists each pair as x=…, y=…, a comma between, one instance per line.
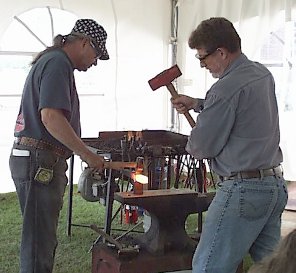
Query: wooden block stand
x=106, y=260
x=165, y=246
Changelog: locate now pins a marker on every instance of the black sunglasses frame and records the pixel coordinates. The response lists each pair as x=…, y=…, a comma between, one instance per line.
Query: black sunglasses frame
x=205, y=56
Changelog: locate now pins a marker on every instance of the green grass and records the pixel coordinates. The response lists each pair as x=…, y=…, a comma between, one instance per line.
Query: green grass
x=73, y=254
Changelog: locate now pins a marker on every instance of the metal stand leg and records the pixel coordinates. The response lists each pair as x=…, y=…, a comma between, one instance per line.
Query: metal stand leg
x=70, y=196
x=109, y=204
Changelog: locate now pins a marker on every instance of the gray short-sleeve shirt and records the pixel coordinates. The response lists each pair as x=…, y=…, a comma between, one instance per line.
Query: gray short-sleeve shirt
x=49, y=84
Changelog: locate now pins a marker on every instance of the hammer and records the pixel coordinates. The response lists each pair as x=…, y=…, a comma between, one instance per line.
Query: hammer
x=165, y=78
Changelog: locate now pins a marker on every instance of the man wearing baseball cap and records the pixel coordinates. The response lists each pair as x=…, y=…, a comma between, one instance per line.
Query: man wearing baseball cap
x=95, y=32
x=47, y=132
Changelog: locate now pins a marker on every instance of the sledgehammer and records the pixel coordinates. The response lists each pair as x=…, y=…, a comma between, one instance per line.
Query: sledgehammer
x=165, y=78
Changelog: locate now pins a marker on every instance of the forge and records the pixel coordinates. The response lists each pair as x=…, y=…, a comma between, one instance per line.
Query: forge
x=176, y=188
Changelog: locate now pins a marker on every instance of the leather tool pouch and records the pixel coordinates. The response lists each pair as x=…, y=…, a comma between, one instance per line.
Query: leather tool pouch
x=44, y=175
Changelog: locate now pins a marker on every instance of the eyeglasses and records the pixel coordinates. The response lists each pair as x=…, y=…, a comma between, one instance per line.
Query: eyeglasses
x=98, y=52
x=205, y=56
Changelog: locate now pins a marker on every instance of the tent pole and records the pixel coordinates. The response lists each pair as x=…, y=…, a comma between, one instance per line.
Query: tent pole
x=173, y=49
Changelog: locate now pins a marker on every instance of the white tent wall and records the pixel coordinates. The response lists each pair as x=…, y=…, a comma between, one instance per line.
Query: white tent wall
x=139, y=46
x=138, y=35
x=265, y=12
x=254, y=20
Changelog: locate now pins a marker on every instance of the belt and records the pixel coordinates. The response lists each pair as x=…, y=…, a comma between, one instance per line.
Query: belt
x=40, y=144
x=277, y=171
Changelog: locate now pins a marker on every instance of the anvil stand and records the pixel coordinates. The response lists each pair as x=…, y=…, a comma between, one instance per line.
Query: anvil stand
x=109, y=201
x=165, y=246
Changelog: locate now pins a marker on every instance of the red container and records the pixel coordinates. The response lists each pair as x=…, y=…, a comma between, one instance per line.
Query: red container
x=131, y=214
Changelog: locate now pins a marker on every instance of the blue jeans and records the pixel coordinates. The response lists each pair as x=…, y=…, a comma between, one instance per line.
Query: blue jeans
x=244, y=217
x=40, y=205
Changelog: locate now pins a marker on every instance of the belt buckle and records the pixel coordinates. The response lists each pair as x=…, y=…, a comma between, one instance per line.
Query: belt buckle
x=17, y=140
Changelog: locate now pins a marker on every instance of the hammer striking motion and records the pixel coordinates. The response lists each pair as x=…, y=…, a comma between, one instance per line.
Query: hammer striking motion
x=165, y=78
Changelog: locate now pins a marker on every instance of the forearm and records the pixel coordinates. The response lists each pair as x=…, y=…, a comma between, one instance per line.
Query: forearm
x=198, y=105
x=58, y=126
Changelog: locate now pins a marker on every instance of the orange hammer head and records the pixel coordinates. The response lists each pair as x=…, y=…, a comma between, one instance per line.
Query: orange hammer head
x=165, y=77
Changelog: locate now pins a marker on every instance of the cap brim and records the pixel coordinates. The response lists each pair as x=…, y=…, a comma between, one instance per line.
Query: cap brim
x=103, y=49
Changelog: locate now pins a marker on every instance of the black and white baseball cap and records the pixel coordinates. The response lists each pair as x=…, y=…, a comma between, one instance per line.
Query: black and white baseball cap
x=94, y=31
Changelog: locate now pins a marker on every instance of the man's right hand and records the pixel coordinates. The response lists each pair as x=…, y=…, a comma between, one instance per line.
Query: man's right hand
x=184, y=103
x=93, y=160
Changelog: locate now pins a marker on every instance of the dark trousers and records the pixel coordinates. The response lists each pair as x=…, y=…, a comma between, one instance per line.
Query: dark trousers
x=40, y=203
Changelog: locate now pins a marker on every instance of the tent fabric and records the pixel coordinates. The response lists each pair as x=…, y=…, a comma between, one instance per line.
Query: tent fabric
x=139, y=43
x=263, y=12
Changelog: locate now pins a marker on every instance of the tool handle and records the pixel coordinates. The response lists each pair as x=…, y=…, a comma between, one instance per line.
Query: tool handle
x=119, y=165
x=109, y=238
x=174, y=94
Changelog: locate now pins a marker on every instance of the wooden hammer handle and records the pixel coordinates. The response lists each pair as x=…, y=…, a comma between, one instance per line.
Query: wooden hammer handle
x=174, y=94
